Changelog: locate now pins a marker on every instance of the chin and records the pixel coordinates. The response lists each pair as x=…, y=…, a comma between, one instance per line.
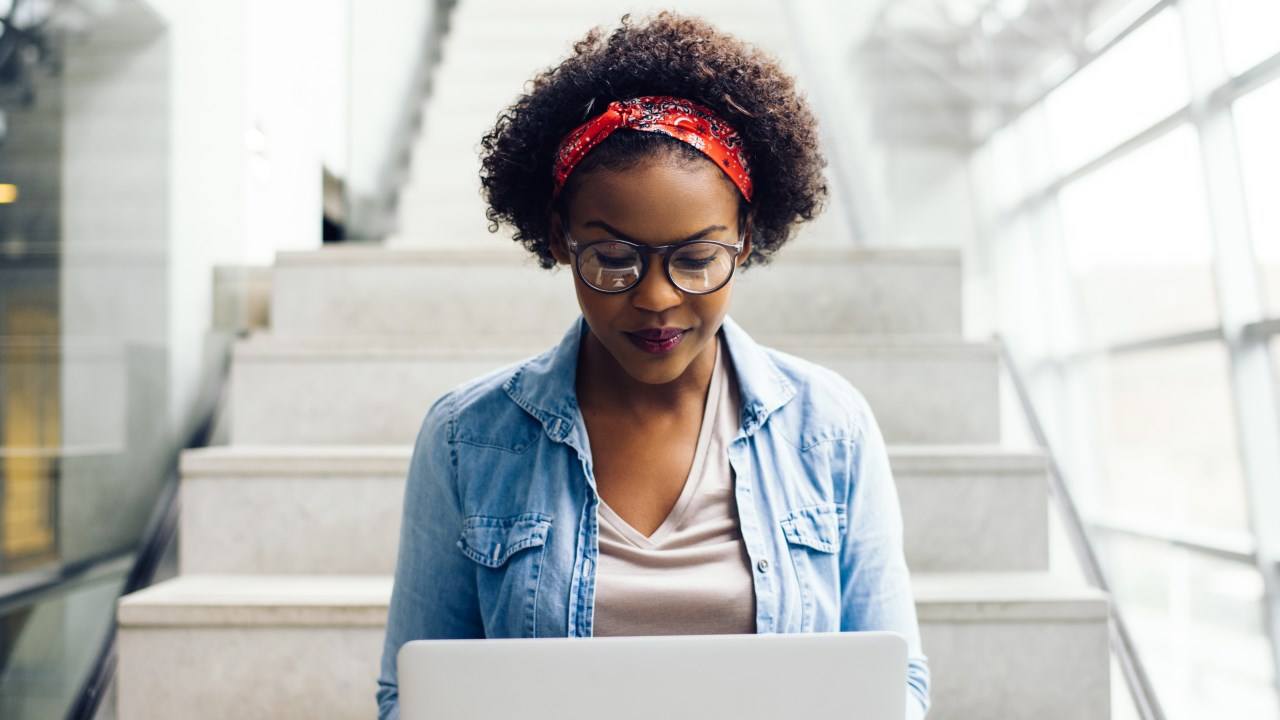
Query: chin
x=648, y=370
x=657, y=374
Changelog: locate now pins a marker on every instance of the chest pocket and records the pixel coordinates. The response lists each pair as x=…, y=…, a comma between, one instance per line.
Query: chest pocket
x=491, y=541
x=509, y=554
x=813, y=539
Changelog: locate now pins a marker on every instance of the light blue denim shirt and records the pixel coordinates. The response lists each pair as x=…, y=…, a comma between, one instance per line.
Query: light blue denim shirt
x=500, y=525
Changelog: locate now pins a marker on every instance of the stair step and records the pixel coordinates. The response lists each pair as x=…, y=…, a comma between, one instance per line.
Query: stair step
x=972, y=509
x=264, y=510
x=354, y=291
x=375, y=390
x=437, y=210
x=491, y=51
x=301, y=510
x=1014, y=645
x=202, y=647
x=748, y=19
x=503, y=53
x=460, y=224
x=999, y=645
x=260, y=601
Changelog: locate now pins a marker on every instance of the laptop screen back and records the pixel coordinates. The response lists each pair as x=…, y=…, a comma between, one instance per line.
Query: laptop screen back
x=854, y=675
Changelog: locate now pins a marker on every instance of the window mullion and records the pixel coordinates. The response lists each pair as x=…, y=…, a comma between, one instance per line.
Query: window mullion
x=1235, y=269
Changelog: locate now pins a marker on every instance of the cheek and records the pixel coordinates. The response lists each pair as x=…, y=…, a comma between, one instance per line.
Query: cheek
x=597, y=306
x=717, y=303
x=602, y=309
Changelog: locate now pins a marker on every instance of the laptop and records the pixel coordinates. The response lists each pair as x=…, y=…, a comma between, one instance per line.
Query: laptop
x=855, y=675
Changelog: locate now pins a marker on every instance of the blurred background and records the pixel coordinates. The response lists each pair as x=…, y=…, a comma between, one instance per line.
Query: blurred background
x=1110, y=170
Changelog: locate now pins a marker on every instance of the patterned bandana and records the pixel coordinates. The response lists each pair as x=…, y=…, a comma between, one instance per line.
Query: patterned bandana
x=681, y=119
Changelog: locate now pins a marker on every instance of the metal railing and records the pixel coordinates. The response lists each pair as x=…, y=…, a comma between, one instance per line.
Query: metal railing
x=1140, y=688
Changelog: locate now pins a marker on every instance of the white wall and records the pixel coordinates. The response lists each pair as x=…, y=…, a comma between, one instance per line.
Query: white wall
x=256, y=95
x=192, y=135
x=196, y=137
x=206, y=173
x=294, y=122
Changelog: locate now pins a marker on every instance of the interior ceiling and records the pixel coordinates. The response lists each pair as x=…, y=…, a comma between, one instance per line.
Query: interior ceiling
x=951, y=71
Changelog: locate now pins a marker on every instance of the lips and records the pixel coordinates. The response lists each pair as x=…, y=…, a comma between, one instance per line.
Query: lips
x=656, y=341
x=657, y=334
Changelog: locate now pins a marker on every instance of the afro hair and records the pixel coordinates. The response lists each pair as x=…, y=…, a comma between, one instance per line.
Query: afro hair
x=667, y=54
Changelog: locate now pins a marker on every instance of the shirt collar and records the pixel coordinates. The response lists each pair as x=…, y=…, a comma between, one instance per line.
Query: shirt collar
x=544, y=386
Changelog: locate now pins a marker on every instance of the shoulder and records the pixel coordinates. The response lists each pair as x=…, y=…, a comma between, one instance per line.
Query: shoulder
x=480, y=412
x=825, y=405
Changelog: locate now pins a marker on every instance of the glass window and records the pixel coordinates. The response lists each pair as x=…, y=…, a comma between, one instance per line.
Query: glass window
x=1004, y=170
x=1198, y=625
x=1129, y=88
x=1020, y=311
x=1249, y=32
x=52, y=645
x=1275, y=356
x=1136, y=235
x=1038, y=158
x=1257, y=116
x=1166, y=441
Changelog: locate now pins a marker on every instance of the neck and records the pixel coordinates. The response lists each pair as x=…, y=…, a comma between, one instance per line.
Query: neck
x=604, y=385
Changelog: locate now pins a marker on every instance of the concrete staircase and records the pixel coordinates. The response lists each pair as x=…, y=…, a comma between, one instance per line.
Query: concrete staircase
x=288, y=535
x=493, y=47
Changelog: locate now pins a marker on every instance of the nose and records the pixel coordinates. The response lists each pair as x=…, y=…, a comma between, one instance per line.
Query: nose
x=654, y=292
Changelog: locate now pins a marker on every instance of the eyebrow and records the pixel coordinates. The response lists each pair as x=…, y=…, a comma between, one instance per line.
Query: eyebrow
x=619, y=234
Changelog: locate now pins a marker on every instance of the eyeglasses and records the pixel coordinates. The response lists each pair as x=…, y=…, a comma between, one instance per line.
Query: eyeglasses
x=612, y=266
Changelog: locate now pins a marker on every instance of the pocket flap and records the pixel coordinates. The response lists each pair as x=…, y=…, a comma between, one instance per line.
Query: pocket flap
x=818, y=527
x=490, y=540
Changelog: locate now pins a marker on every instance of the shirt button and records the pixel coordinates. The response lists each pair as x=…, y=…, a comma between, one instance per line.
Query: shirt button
x=763, y=565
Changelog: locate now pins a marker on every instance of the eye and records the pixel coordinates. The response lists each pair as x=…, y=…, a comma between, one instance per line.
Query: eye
x=698, y=257
x=617, y=262
x=613, y=255
x=693, y=263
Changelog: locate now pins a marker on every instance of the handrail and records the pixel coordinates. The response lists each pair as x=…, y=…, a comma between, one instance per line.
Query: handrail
x=1230, y=547
x=160, y=531
x=44, y=581
x=1135, y=675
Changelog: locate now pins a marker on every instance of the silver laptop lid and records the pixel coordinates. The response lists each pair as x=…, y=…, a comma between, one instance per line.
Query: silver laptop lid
x=856, y=675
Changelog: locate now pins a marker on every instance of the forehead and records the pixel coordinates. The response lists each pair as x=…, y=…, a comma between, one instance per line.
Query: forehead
x=657, y=200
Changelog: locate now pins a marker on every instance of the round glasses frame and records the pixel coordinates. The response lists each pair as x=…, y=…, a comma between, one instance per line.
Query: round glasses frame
x=646, y=251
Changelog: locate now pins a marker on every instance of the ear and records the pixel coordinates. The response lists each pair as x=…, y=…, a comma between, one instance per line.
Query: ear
x=555, y=239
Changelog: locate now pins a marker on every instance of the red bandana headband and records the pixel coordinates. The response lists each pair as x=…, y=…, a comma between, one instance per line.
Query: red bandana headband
x=681, y=119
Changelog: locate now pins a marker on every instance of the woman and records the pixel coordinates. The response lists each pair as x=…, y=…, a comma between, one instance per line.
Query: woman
x=657, y=472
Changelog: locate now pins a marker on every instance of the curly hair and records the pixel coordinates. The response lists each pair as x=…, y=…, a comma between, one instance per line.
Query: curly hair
x=666, y=54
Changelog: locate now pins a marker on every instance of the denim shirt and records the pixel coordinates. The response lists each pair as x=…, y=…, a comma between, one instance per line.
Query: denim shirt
x=500, y=527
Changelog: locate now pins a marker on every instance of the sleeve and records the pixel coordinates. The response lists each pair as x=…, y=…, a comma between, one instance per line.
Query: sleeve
x=434, y=593
x=875, y=584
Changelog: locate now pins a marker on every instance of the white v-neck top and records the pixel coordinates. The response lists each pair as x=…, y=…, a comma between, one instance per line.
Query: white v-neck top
x=692, y=576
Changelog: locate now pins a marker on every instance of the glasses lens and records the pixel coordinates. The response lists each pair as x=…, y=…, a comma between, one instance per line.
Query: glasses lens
x=609, y=266
x=701, y=267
